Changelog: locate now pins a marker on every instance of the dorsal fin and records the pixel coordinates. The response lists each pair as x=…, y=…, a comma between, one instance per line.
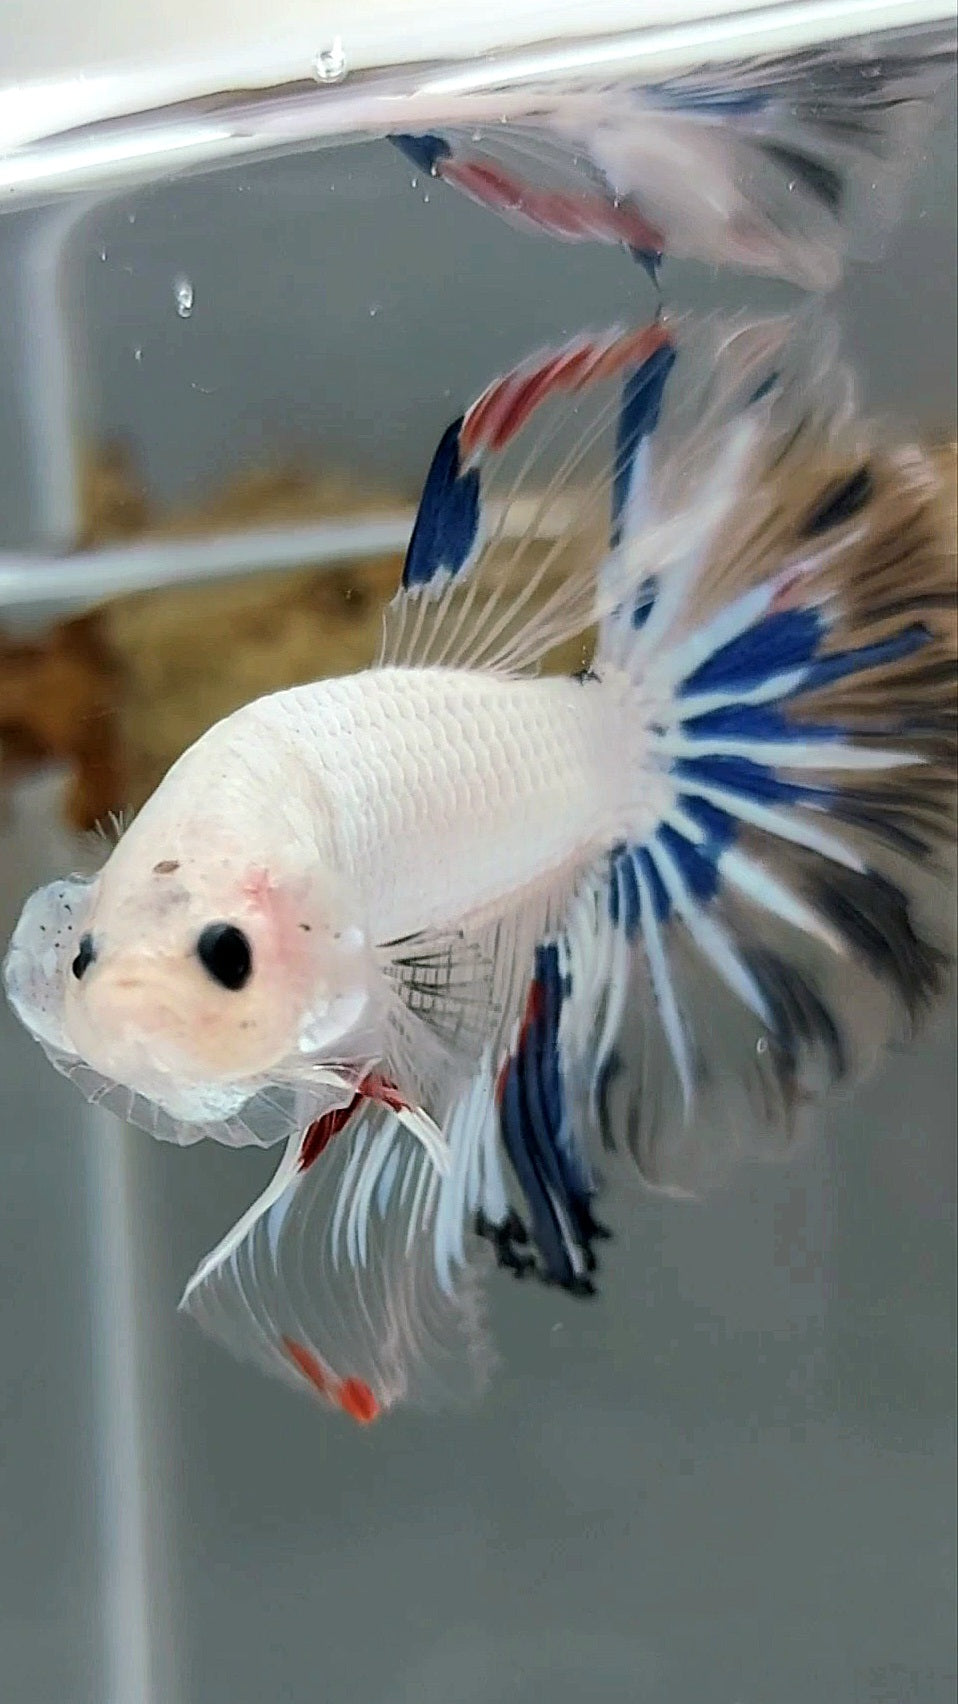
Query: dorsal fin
x=517, y=516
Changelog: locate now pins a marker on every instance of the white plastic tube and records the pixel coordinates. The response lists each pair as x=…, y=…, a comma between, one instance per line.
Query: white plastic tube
x=101, y=95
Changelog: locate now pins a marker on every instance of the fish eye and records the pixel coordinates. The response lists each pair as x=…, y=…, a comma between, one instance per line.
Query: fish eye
x=85, y=956
x=226, y=955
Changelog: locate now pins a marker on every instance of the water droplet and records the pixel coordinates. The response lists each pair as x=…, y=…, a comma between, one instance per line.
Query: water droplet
x=138, y=352
x=425, y=201
x=761, y=1046
x=791, y=185
x=414, y=183
x=375, y=308
x=183, y=294
x=103, y=254
x=329, y=65
x=131, y=218
x=477, y=136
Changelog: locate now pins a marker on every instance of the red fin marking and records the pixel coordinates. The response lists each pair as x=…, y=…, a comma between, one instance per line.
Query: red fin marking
x=353, y=1396
x=532, y=1014
x=377, y=1088
x=320, y=1133
x=504, y=407
x=521, y=394
x=356, y=1399
x=311, y=1368
x=496, y=415
x=562, y=213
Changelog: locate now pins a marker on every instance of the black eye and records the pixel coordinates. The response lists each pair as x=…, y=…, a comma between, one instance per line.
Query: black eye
x=226, y=953
x=85, y=956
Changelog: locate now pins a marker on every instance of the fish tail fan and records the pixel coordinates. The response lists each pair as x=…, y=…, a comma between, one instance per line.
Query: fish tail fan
x=783, y=637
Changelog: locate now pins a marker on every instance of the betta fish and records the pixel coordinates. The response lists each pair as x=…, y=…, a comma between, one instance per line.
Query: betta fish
x=785, y=166
x=453, y=926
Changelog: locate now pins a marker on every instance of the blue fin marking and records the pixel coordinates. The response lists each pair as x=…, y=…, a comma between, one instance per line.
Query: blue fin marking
x=641, y=406
x=661, y=904
x=447, y=522
x=826, y=670
x=757, y=722
x=783, y=641
x=753, y=780
x=698, y=868
x=536, y=1137
x=424, y=151
x=624, y=903
x=720, y=827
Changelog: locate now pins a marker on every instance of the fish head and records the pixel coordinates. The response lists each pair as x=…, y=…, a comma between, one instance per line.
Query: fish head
x=194, y=979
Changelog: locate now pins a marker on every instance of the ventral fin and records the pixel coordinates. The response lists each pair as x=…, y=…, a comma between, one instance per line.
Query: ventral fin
x=348, y=1278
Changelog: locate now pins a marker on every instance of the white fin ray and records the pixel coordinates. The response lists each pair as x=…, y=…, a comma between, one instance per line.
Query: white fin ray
x=513, y=525
x=348, y=1277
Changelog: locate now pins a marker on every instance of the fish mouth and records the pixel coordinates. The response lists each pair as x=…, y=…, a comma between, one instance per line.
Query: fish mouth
x=122, y=1012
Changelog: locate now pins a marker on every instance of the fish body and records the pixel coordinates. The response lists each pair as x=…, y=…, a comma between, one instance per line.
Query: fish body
x=481, y=784
x=452, y=929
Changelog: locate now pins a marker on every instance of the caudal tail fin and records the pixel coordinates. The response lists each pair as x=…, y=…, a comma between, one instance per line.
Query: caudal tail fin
x=782, y=596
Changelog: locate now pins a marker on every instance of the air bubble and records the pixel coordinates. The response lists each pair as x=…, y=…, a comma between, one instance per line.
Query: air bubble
x=183, y=295
x=329, y=65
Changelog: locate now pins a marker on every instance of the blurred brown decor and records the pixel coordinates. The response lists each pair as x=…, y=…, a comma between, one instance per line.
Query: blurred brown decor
x=116, y=694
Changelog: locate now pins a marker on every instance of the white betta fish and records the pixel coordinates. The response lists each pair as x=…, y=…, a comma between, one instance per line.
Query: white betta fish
x=444, y=924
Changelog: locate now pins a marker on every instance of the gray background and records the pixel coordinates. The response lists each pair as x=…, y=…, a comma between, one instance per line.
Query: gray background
x=730, y=1480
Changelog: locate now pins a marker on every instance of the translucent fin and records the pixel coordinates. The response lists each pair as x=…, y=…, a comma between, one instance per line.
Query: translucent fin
x=782, y=166
x=790, y=633
x=349, y=1277
x=545, y=1145
x=43, y=945
x=524, y=495
x=498, y=987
